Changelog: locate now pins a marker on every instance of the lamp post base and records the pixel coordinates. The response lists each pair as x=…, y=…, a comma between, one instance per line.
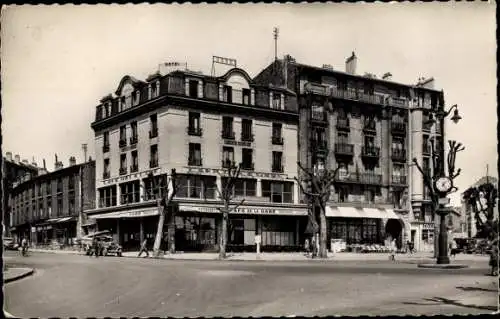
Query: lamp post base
x=443, y=260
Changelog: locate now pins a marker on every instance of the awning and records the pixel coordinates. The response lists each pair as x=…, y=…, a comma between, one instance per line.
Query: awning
x=127, y=214
x=57, y=220
x=358, y=212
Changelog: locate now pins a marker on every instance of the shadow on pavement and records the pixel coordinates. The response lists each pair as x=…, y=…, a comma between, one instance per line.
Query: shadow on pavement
x=438, y=300
x=476, y=289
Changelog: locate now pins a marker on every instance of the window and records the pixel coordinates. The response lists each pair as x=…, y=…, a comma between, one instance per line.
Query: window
x=71, y=204
x=370, y=195
x=278, y=192
x=129, y=192
x=246, y=96
x=227, y=94
x=247, y=158
x=343, y=194
x=369, y=141
x=398, y=143
x=277, y=165
x=153, y=153
x=123, y=164
x=194, y=154
x=193, y=88
x=105, y=172
x=136, y=97
x=343, y=171
x=133, y=128
x=194, y=124
x=49, y=205
x=155, y=187
x=277, y=138
x=123, y=136
x=135, y=162
x=40, y=208
x=276, y=101
x=242, y=186
x=196, y=186
x=227, y=127
x=105, y=144
x=227, y=156
x=370, y=122
x=343, y=138
x=154, y=126
x=59, y=211
x=246, y=130
x=59, y=185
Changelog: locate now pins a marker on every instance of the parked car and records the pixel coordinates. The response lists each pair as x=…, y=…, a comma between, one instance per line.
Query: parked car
x=108, y=245
x=10, y=244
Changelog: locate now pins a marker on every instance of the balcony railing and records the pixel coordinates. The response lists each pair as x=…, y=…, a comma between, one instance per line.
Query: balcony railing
x=133, y=140
x=277, y=140
x=122, y=143
x=398, y=154
x=369, y=178
x=359, y=178
x=228, y=163
x=194, y=161
x=153, y=133
x=426, y=150
x=105, y=148
x=194, y=131
x=399, y=179
x=247, y=137
x=319, y=145
x=248, y=166
x=226, y=134
x=105, y=175
x=370, y=127
x=343, y=124
x=318, y=116
x=370, y=151
x=134, y=168
x=153, y=163
x=398, y=127
x=277, y=168
x=344, y=149
x=397, y=101
x=123, y=170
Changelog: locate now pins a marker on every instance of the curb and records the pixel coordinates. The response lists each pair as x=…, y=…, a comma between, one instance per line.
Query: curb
x=443, y=266
x=20, y=276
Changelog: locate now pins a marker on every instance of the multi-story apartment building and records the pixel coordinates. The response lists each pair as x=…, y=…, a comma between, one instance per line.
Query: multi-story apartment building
x=47, y=207
x=12, y=170
x=371, y=129
x=199, y=125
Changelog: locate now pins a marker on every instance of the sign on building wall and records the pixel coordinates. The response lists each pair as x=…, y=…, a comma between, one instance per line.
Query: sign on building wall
x=130, y=177
x=244, y=210
x=202, y=170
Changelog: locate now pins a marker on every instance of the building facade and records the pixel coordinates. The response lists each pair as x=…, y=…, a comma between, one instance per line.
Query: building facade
x=199, y=125
x=13, y=169
x=371, y=129
x=46, y=208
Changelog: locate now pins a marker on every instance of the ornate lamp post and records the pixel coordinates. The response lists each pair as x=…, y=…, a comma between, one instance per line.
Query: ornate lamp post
x=440, y=184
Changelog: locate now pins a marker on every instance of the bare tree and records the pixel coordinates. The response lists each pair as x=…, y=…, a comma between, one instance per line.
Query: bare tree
x=318, y=183
x=482, y=200
x=226, y=194
x=164, y=191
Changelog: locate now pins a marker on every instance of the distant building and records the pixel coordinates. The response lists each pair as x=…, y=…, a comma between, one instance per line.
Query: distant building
x=46, y=208
x=14, y=169
x=469, y=215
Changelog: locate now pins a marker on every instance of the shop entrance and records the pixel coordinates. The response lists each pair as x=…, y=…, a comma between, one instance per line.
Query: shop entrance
x=394, y=229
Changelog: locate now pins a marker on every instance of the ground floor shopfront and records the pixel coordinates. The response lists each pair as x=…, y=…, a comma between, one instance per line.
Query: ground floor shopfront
x=60, y=232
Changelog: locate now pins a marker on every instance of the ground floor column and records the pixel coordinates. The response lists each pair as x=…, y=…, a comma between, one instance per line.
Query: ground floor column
x=119, y=239
x=297, y=235
x=141, y=230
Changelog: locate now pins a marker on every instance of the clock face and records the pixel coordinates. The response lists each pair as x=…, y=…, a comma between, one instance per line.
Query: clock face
x=443, y=184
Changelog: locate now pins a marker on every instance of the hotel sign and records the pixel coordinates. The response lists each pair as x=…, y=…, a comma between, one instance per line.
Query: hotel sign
x=202, y=170
x=130, y=177
x=244, y=210
x=238, y=143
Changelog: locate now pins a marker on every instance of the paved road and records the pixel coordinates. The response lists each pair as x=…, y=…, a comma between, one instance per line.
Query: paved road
x=72, y=285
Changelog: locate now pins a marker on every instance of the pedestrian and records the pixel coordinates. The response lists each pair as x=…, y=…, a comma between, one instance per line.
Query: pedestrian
x=144, y=248
x=95, y=247
x=392, y=246
x=307, y=247
x=453, y=248
x=24, y=246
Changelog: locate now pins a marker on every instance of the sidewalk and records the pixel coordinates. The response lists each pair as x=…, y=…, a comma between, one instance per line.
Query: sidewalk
x=12, y=274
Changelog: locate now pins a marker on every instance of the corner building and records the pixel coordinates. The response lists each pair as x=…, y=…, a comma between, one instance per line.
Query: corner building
x=198, y=125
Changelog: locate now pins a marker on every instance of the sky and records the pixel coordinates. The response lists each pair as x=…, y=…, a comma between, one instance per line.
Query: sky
x=58, y=61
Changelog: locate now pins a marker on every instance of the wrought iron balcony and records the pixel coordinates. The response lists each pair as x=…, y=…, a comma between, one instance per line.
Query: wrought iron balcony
x=194, y=161
x=370, y=151
x=344, y=149
x=105, y=175
x=399, y=179
x=318, y=116
x=370, y=178
x=153, y=133
x=123, y=170
x=277, y=168
x=370, y=127
x=122, y=143
x=105, y=148
x=247, y=137
x=153, y=163
x=226, y=134
x=133, y=140
x=277, y=140
x=398, y=128
x=398, y=155
x=248, y=166
x=228, y=163
x=397, y=101
x=343, y=124
x=134, y=168
x=194, y=131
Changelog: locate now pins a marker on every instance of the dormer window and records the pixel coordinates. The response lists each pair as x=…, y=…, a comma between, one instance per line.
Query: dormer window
x=107, y=109
x=193, y=88
x=123, y=103
x=154, y=89
x=246, y=96
x=136, y=97
x=276, y=101
x=227, y=94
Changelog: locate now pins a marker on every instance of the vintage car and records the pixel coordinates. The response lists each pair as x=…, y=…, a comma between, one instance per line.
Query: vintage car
x=108, y=246
x=9, y=244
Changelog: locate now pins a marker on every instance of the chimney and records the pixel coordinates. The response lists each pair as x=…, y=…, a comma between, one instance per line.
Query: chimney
x=387, y=76
x=8, y=155
x=44, y=166
x=33, y=162
x=25, y=161
x=328, y=67
x=72, y=161
x=17, y=158
x=350, y=64
x=426, y=83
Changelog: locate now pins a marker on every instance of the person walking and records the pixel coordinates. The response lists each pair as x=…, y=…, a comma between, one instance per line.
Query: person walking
x=307, y=246
x=24, y=246
x=144, y=248
x=392, y=246
x=95, y=247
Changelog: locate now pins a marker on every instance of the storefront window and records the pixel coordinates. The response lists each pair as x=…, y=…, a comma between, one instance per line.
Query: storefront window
x=154, y=187
x=356, y=231
x=242, y=186
x=427, y=236
x=278, y=231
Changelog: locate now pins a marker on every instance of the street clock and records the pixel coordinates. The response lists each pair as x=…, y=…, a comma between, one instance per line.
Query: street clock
x=444, y=184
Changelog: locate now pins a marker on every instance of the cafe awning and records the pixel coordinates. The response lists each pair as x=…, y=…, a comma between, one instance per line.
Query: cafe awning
x=52, y=221
x=358, y=212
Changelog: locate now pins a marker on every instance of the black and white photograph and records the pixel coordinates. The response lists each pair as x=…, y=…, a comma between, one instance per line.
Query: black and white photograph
x=250, y=160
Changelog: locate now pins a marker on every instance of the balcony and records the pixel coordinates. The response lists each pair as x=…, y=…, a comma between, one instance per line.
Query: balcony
x=194, y=131
x=134, y=168
x=319, y=146
x=153, y=133
x=153, y=163
x=228, y=135
x=397, y=101
x=247, y=166
x=426, y=127
x=122, y=143
x=343, y=124
x=247, y=137
x=277, y=140
x=370, y=127
x=133, y=140
x=370, y=151
x=192, y=161
x=398, y=179
x=344, y=149
x=318, y=116
x=370, y=178
x=398, y=128
x=277, y=169
x=105, y=148
x=228, y=163
x=123, y=170
x=398, y=155
x=426, y=150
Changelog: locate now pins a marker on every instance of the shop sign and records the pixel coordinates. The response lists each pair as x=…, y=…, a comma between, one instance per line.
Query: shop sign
x=202, y=170
x=129, y=214
x=244, y=210
x=428, y=226
x=238, y=143
x=134, y=176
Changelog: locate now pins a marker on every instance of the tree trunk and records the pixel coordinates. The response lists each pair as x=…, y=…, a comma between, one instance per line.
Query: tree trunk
x=159, y=230
x=322, y=234
x=223, y=236
x=171, y=233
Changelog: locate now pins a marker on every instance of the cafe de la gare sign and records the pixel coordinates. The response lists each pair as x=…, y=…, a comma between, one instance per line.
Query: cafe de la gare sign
x=246, y=210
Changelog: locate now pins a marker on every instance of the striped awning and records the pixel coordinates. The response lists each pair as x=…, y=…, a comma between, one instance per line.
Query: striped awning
x=358, y=212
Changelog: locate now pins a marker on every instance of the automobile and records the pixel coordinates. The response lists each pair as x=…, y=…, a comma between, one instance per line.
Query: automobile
x=108, y=245
x=9, y=244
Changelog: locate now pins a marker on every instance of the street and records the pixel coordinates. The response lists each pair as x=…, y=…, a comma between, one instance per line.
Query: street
x=74, y=285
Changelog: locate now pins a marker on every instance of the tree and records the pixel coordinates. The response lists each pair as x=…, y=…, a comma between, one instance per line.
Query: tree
x=229, y=177
x=164, y=191
x=482, y=200
x=316, y=185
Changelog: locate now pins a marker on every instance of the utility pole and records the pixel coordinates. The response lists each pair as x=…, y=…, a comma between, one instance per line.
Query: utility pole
x=84, y=147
